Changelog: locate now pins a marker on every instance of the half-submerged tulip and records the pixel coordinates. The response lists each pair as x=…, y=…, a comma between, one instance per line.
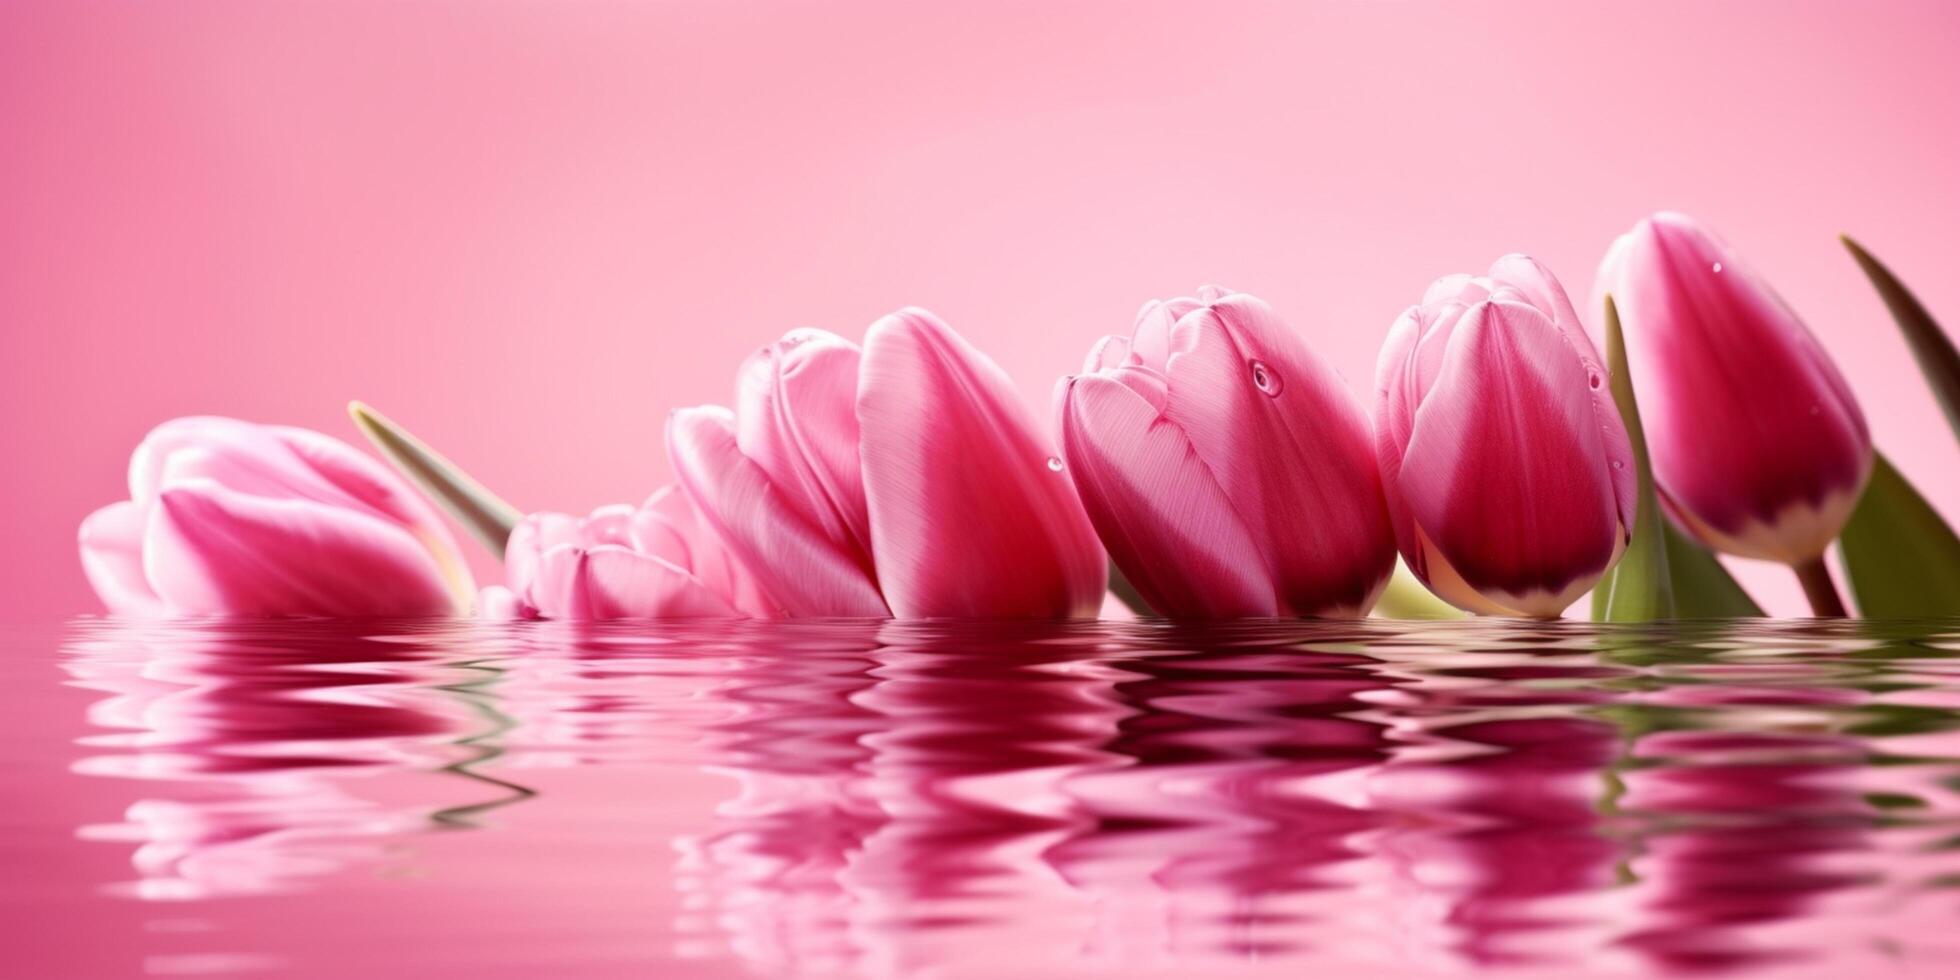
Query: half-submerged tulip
x=1228, y=471
x=1506, y=468
x=905, y=478
x=230, y=518
x=1758, y=446
x=657, y=561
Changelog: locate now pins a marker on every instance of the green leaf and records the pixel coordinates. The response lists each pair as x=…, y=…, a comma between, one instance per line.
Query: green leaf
x=485, y=514
x=1703, y=589
x=1407, y=598
x=1900, y=558
x=1931, y=347
x=1120, y=587
x=1638, y=588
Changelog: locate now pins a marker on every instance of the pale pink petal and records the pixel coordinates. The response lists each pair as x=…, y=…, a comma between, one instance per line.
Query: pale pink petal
x=112, y=558
x=237, y=454
x=621, y=584
x=1156, y=507
x=611, y=524
x=667, y=526
x=366, y=480
x=371, y=484
x=800, y=568
x=611, y=582
x=497, y=604
x=529, y=540
x=210, y=550
x=1396, y=399
x=796, y=418
x=968, y=516
x=1505, y=471
x=1107, y=353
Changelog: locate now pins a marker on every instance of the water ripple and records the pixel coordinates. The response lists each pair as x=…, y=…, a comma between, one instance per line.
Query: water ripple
x=919, y=797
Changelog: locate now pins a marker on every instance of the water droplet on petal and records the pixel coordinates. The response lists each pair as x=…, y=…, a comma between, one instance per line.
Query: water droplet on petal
x=1055, y=463
x=1619, y=464
x=1592, y=380
x=1718, y=267
x=1265, y=379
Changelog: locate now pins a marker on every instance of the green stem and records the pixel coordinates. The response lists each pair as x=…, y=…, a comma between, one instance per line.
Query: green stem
x=1819, y=589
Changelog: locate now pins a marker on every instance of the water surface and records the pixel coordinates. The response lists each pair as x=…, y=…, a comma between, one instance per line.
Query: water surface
x=969, y=800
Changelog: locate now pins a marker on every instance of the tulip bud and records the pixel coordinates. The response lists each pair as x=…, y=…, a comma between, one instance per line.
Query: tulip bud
x=971, y=511
x=1228, y=471
x=1507, y=471
x=656, y=562
x=778, y=480
x=902, y=479
x=1758, y=446
x=230, y=518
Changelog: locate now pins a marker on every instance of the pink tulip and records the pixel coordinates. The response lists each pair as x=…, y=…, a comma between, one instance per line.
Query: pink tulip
x=1757, y=443
x=1229, y=471
x=227, y=517
x=905, y=479
x=658, y=561
x=1508, y=473
x=779, y=478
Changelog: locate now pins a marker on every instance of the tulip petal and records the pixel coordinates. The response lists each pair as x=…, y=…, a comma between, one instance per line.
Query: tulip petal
x=373, y=485
x=796, y=418
x=533, y=536
x=364, y=479
x=668, y=526
x=1156, y=507
x=1530, y=277
x=799, y=567
x=210, y=550
x=112, y=558
x=1754, y=434
x=498, y=604
x=612, y=582
x=968, y=518
x=1293, y=453
x=236, y=454
x=1505, y=471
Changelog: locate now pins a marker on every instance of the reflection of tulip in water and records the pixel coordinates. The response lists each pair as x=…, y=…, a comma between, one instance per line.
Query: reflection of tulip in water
x=1747, y=823
x=1229, y=471
x=899, y=798
x=1756, y=439
x=905, y=479
x=1508, y=473
x=227, y=517
x=253, y=749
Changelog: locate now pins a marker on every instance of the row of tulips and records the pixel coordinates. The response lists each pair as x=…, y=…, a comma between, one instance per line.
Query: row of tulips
x=1221, y=466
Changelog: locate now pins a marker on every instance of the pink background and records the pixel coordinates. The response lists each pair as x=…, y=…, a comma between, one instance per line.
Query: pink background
x=527, y=230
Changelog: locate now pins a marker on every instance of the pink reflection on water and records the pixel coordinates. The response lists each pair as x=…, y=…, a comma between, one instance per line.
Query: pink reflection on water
x=274, y=728
x=908, y=799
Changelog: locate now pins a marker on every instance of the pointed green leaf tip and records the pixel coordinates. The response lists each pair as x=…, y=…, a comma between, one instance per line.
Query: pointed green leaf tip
x=469, y=502
x=1931, y=347
x=1407, y=598
x=1638, y=589
x=1703, y=589
x=1899, y=557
